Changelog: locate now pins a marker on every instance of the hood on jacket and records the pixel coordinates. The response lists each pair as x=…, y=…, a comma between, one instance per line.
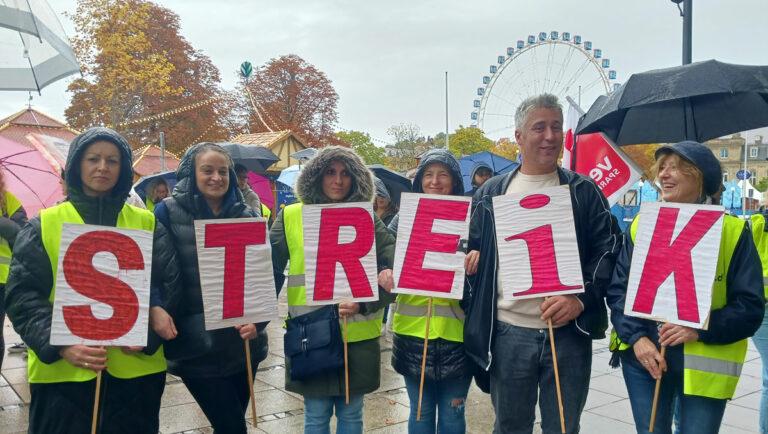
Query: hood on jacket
x=448, y=160
x=381, y=189
x=78, y=146
x=186, y=192
x=477, y=166
x=309, y=184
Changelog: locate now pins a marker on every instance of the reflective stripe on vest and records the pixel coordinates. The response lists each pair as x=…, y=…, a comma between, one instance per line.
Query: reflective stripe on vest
x=359, y=327
x=12, y=205
x=761, y=243
x=121, y=365
x=713, y=371
x=447, y=318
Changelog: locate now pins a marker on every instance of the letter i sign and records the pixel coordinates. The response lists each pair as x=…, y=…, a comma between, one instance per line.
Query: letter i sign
x=536, y=239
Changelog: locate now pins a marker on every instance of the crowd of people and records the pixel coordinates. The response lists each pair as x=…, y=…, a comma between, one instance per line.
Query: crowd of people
x=504, y=346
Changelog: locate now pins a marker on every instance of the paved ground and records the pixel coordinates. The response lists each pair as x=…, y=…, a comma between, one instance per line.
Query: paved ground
x=386, y=411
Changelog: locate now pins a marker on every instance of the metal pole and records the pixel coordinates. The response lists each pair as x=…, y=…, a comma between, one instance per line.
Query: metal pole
x=446, y=109
x=687, y=30
x=162, y=151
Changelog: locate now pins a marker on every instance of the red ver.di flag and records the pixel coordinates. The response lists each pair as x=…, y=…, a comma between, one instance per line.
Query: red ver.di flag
x=235, y=261
x=102, y=286
x=536, y=239
x=428, y=260
x=674, y=263
x=339, y=253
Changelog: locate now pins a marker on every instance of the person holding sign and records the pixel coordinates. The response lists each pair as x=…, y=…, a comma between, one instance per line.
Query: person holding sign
x=13, y=218
x=63, y=379
x=212, y=364
x=510, y=339
x=446, y=370
x=701, y=367
x=334, y=175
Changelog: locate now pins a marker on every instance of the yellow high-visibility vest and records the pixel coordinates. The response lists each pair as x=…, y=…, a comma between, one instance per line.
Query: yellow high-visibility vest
x=12, y=205
x=711, y=370
x=119, y=364
x=359, y=327
x=761, y=243
x=446, y=322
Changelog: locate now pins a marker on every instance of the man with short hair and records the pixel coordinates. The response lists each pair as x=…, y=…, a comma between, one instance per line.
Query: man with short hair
x=510, y=340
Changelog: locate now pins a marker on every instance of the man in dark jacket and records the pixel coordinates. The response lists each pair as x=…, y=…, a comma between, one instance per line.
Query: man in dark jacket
x=510, y=339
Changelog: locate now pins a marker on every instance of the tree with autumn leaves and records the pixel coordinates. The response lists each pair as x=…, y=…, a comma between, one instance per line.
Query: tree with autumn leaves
x=288, y=93
x=138, y=71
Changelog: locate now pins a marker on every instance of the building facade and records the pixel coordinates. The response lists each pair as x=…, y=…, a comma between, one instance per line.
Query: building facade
x=730, y=152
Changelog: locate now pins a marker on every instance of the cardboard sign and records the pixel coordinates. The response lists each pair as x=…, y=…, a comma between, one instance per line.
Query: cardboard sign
x=674, y=262
x=339, y=253
x=235, y=261
x=102, y=286
x=536, y=239
x=428, y=260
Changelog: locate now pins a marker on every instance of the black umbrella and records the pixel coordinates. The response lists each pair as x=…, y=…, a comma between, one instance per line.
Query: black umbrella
x=395, y=182
x=254, y=158
x=699, y=101
x=142, y=183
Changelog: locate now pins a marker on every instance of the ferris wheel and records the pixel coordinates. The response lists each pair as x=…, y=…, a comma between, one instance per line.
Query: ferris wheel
x=555, y=63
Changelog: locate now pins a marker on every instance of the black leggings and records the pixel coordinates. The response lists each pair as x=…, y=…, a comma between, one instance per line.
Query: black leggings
x=126, y=406
x=224, y=400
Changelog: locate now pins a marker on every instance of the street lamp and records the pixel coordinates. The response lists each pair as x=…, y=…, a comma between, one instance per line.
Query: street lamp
x=733, y=192
x=640, y=184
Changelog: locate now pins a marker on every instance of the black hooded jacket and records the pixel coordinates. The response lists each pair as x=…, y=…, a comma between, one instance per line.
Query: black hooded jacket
x=177, y=214
x=31, y=278
x=599, y=242
x=477, y=166
x=445, y=359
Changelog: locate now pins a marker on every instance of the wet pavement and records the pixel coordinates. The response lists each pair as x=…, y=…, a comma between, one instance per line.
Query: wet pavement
x=386, y=411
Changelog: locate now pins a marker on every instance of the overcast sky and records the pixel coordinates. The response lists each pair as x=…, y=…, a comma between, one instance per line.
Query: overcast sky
x=387, y=59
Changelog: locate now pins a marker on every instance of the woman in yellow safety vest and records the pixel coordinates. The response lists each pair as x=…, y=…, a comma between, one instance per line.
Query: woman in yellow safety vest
x=760, y=339
x=447, y=374
x=156, y=192
x=335, y=174
x=62, y=378
x=701, y=367
x=12, y=219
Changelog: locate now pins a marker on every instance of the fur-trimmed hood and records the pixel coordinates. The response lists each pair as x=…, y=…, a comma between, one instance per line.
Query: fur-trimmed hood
x=309, y=185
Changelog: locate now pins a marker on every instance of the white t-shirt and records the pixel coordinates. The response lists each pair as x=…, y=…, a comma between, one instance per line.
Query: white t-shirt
x=525, y=313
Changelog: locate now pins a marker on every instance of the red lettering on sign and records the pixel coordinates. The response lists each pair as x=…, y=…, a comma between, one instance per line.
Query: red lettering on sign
x=423, y=240
x=81, y=275
x=667, y=256
x=330, y=251
x=234, y=237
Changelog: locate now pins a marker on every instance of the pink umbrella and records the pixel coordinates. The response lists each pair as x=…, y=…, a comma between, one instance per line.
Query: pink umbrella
x=29, y=176
x=262, y=187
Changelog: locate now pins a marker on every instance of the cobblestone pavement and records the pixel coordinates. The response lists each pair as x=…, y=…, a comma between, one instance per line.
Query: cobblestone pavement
x=386, y=411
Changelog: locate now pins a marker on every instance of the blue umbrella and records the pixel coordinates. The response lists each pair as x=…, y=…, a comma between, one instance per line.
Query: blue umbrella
x=141, y=185
x=498, y=164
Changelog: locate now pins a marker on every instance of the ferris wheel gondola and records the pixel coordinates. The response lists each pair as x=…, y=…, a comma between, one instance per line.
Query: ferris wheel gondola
x=559, y=63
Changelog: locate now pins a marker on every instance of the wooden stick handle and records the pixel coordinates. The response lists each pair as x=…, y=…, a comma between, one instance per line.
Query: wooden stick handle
x=557, y=375
x=249, y=369
x=346, y=364
x=656, y=394
x=95, y=417
x=424, y=358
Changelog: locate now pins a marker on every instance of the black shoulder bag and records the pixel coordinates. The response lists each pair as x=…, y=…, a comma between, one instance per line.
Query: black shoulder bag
x=313, y=343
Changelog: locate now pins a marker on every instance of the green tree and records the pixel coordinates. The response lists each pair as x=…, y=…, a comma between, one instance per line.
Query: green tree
x=762, y=185
x=408, y=145
x=362, y=144
x=468, y=140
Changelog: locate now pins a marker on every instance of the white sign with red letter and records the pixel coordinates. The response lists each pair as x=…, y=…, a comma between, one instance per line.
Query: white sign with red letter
x=536, y=239
x=428, y=260
x=102, y=286
x=339, y=253
x=235, y=261
x=674, y=262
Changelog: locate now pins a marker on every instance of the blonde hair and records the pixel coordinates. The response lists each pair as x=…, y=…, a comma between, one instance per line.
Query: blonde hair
x=684, y=166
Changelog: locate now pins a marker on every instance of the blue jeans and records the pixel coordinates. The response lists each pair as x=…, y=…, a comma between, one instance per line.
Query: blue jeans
x=692, y=414
x=442, y=405
x=522, y=366
x=761, y=342
x=318, y=412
